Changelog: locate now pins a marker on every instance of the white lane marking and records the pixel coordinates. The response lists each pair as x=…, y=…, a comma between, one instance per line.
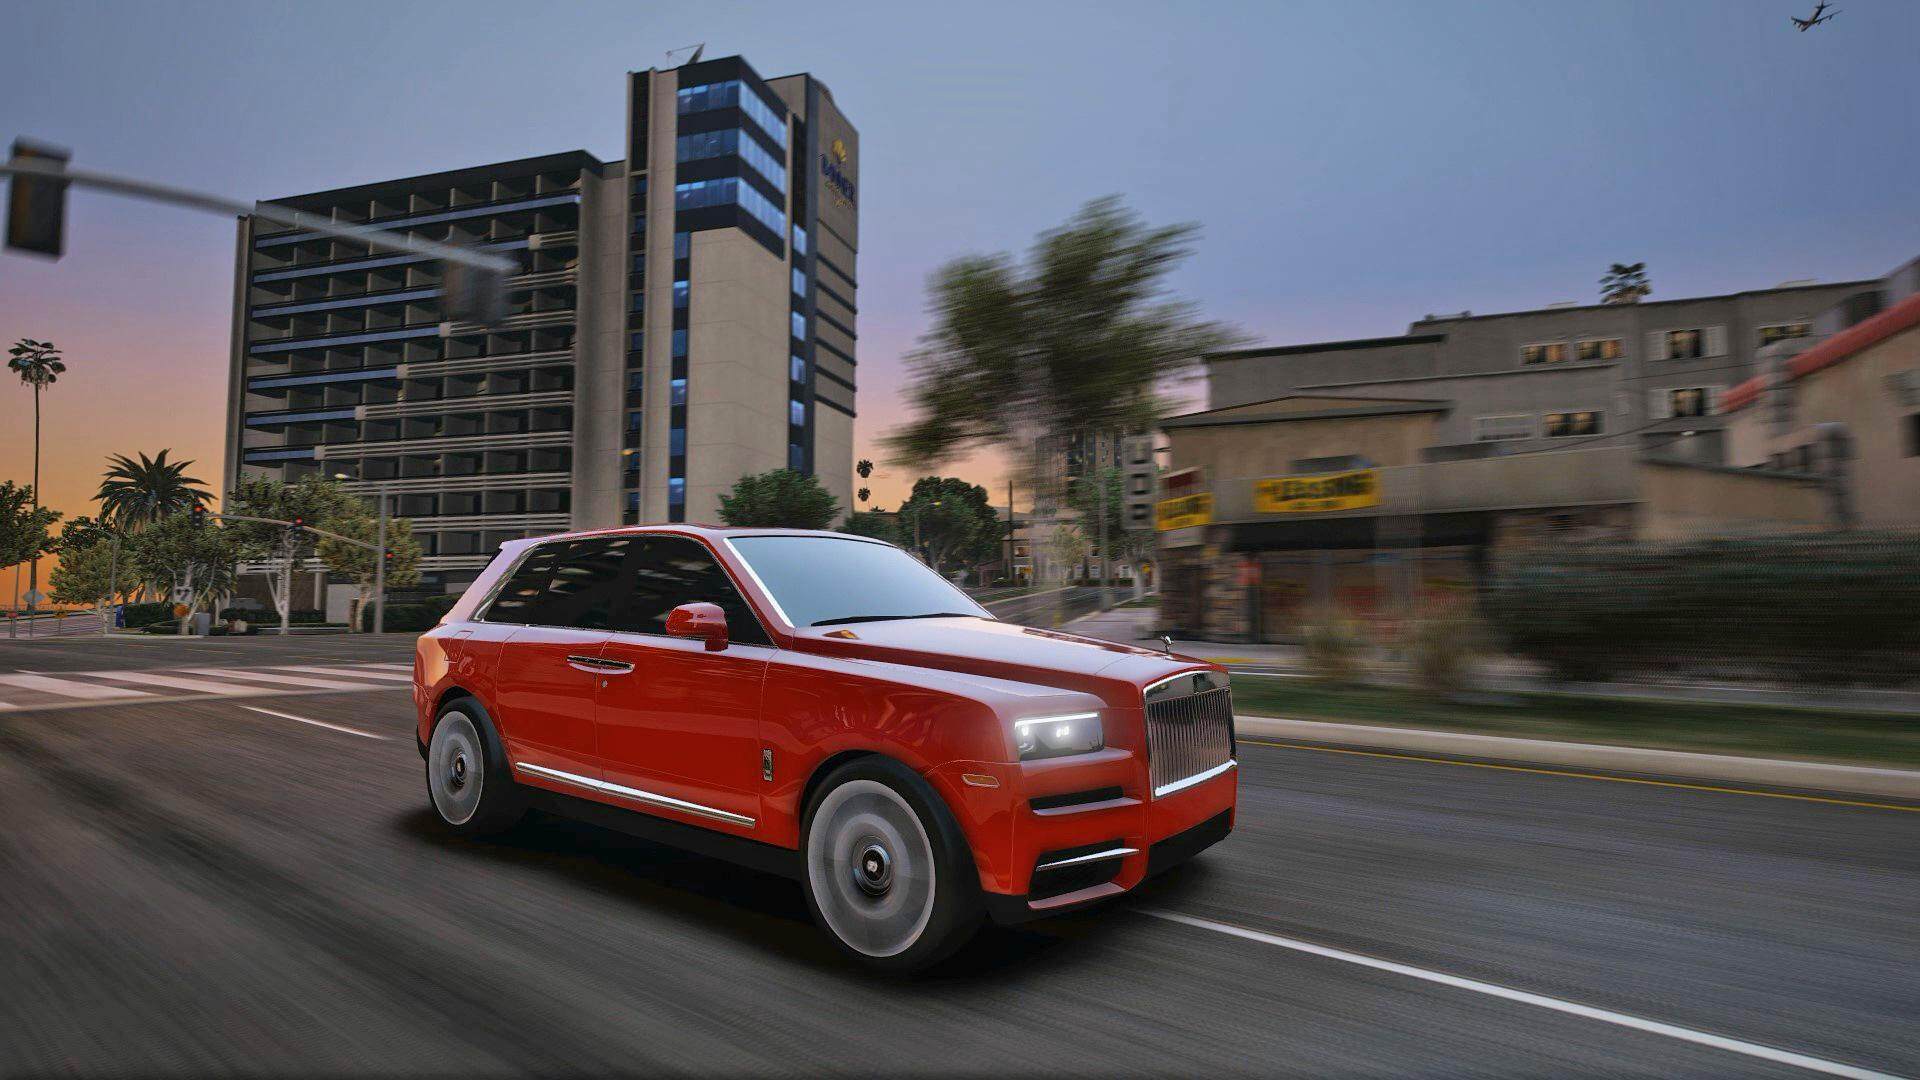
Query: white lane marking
x=1672, y=1031
x=408, y=668
x=283, y=680
x=66, y=688
x=315, y=723
x=155, y=678
x=349, y=673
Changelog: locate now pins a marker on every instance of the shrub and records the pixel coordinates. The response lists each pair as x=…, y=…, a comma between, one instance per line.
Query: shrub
x=139, y=615
x=1831, y=608
x=412, y=618
x=1334, y=642
x=1446, y=642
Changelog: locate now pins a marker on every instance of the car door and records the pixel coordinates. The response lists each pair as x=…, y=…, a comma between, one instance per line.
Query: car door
x=563, y=595
x=681, y=732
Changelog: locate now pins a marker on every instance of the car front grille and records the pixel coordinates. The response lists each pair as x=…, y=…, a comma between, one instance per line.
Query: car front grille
x=1189, y=729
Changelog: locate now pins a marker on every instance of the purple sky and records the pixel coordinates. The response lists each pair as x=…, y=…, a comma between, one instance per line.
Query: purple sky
x=1353, y=165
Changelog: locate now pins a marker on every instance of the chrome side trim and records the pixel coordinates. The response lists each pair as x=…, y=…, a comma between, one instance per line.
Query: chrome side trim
x=665, y=802
x=1196, y=778
x=761, y=585
x=1110, y=853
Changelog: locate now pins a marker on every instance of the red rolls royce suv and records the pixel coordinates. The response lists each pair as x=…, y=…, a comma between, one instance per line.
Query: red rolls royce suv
x=822, y=706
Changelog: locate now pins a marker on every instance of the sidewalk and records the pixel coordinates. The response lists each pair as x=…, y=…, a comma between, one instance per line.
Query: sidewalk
x=1134, y=626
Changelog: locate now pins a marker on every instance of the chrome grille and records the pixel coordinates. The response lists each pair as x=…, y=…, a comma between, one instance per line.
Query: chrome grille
x=1189, y=728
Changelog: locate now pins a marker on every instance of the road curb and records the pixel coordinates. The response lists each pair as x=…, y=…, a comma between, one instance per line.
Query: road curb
x=1678, y=764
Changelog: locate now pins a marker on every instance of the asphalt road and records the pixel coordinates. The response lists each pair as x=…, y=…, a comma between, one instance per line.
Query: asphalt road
x=190, y=885
x=1051, y=607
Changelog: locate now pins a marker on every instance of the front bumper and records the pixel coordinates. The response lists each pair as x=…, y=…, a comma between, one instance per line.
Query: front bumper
x=1089, y=828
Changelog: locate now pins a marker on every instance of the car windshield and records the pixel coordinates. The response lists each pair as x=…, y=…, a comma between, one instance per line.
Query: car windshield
x=826, y=581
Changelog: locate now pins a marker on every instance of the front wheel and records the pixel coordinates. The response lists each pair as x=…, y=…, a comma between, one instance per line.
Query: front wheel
x=889, y=874
x=467, y=776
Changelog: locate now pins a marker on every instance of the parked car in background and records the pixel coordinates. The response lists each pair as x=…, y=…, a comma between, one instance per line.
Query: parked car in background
x=822, y=706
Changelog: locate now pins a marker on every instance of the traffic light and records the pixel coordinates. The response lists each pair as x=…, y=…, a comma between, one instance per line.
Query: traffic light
x=297, y=521
x=475, y=294
x=197, y=516
x=37, y=205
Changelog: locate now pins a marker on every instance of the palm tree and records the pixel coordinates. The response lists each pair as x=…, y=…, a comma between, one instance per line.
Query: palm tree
x=138, y=493
x=1624, y=283
x=38, y=364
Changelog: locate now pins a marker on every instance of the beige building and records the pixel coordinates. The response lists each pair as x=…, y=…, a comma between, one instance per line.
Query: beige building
x=1848, y=409
x=1357, y=502
x=683, y=317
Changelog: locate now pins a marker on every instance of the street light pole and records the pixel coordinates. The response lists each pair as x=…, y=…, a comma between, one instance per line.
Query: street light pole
x=380, y=567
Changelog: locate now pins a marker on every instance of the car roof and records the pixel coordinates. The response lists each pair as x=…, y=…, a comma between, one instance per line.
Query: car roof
x=710, y=532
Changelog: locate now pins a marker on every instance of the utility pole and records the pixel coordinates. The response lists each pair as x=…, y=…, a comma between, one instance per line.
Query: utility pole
x=380, y=567
x=113, y=578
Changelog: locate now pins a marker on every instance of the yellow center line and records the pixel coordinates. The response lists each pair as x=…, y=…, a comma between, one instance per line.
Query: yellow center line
x=1585, y=776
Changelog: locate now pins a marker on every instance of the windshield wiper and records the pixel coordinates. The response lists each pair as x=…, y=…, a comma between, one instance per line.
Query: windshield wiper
x=890, y=618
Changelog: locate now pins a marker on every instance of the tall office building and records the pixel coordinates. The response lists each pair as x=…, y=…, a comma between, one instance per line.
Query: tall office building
x=682, y=318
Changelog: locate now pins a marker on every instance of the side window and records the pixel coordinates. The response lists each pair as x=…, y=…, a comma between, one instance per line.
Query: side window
x=572, y=584
x=671, y=570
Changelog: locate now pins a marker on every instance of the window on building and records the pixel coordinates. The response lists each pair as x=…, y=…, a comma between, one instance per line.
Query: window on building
x=633, y=420
x=636, y=380
x=1562, y=425
x=682, y=245
x=695, y=194
x=1782, y=331
x=797, y=369
x=637, y=341
x=796, y=413
x=639, y=301
x=799, y=282
x=1688, y=344
x=677, y=442
x=1591, y=349
x=1682, y=401
x=733, y=143
x=639, y=264
x=639, y=224
x=679, y=343
x=1551, y=352
x=682, y=293
x=677, y=490
x=799, y=240
x=678, y=394
x=799, y=324
x=722, y=95
x=796, y=457
x=1497, y=428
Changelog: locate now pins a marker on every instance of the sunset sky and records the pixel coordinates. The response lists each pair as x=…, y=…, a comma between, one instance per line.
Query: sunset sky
x=1353, y=166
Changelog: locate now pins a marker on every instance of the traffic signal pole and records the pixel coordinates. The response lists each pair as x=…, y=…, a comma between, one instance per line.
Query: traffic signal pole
x=37, y=211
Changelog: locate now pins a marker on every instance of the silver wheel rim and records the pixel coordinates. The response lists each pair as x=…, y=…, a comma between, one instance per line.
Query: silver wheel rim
x=456, y=769
x=870, y=867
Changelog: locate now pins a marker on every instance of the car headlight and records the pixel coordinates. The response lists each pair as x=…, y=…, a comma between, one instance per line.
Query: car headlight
x=1056, y=736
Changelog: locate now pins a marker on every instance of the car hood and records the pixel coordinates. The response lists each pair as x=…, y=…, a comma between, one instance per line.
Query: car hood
x=1003, y=651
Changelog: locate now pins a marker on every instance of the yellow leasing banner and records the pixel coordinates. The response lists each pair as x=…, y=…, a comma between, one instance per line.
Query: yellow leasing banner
x=1317, y=494
x=1184, y=512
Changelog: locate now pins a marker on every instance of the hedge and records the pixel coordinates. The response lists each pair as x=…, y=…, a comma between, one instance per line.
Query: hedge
x=1837, y=608
x=412, y=618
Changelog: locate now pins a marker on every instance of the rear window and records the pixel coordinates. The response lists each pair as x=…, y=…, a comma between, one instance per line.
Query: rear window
x=574, y=583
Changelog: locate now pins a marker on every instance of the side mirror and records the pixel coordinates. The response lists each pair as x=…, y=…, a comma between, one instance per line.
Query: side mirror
x=699, y=620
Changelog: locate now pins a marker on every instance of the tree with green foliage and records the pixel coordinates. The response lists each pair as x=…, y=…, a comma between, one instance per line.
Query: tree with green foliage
x=85, y=575
x=83, y=532
x=1080, y=339
x=311, y=501
x=1085, y=497
x=877, y=524
x=24, y=526
x=779, y=499
x=191, y=562
x=1068, y=546
x=950, y=522
x=134, y=494
x=355, y=519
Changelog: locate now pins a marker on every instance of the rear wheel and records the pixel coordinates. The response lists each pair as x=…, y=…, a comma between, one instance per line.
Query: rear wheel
x=889, y=874
x=467, y=776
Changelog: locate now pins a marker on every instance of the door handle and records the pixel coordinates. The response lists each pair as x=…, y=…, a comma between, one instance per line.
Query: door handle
x=599, y=665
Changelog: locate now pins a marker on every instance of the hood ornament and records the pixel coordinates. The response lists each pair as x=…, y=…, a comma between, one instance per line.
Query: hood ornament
x=1166, y=641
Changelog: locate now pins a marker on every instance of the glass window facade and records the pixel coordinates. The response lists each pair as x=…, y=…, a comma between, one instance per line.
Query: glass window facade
x=732, y=143
x=679, y=395
x=677, y=489
x=799, y=324
x=799, y=282
x=681, y=292
x=796, y=413
x=682, y=245
x=797, y=369
x=695, y=194
x=679, y=344
x=799, y=240
x=723, y=95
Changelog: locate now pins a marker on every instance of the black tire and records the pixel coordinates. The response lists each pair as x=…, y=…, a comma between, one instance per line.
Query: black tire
x=889, y=875
x=469, y=784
